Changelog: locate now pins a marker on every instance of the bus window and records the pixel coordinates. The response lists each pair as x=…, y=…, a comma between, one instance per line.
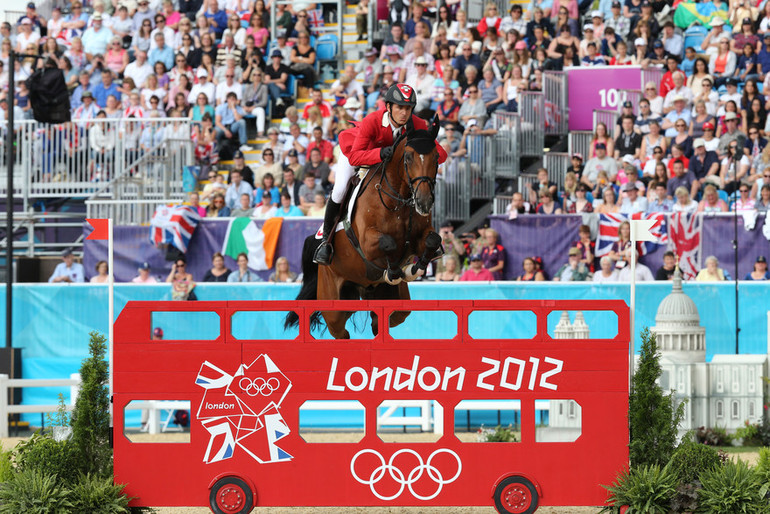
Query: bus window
x=157, y=421
x=558, y=421
x=488, y=421
x=359, y=326
x=409, y=421
x=261, y=325
x=582, y=324
x=502, y=324
x=442, y=324
x=331, y=421
x=187, y=326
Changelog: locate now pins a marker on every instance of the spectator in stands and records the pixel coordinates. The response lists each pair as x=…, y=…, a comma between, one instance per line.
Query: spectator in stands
x=711, y=201
x=203, y=87
x=267, y=184
x=547, y=204
x=244, y=209
x=239, y=165
x=712, y=272
x=318, y=208
x=291, y=185
x=735, y=166
x=601, y=162
x=722, y=65
x=632, y=203
x=451, y=267
x=255, y=97
x=763, y=202
x=684, y=202
x=755, y=144
x=679, y=113
x=760, y=270
x=661, y=202
x=161, y=52
x=230, y=122
x=308, y=191
x=182, y=283
x=144, y=276
x=265, y=208
x=573, y=270
x=282, y=272
x=318, y=168
x=744, y=203
x=643, y=273
x=711, y=43
x=296, y=141
x=704, y=164
x=68, y=270
x=229, y=85
x=303, y=59
x=243, y=273
x=531, y=273
x=581, y=204
x=105, y=88
x=628, y=142
x=215, y=185
x=754, y=116
x=287, y=208
x=607, y=271
x=666, y=271
x=620, y=250
x=682, y=178
x=101, y=276
x=217, y=208
x=218, y=271
x=477, y=272
x=237, y=187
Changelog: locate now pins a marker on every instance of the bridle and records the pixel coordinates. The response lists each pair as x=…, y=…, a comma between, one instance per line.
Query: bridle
x=385, y=187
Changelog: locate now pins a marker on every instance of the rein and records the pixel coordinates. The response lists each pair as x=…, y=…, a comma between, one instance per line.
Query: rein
x=391, y=192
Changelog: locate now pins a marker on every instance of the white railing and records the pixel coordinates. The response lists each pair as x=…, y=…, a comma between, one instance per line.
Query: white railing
x=124, y=212
x=77, y=158
x=556, y=105
x=10, y=383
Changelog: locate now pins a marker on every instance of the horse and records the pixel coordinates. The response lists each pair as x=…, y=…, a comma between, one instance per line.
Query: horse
x=389, y=241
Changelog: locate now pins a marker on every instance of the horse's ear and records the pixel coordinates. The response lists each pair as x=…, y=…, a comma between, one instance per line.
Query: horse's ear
x=434, y=127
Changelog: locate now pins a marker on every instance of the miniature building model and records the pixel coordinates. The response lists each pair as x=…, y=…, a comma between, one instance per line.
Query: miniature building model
x=723, y=393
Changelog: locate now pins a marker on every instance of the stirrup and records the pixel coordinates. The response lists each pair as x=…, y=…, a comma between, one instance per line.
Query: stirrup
x=324, y=253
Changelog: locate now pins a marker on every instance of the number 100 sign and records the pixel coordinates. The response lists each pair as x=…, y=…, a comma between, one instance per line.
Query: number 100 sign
x=597, y=88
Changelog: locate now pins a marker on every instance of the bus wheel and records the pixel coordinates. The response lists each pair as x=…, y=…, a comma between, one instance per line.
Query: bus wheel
x=516, y=495
x=231, y=495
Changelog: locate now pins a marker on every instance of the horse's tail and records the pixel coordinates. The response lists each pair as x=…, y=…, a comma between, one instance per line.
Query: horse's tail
x=309, y=284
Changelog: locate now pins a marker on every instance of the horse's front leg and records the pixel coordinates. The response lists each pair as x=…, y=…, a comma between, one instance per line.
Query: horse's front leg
x=431, y=244
x=393, y=275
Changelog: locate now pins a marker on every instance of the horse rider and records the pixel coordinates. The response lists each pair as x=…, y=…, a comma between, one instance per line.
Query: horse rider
x=366, y=144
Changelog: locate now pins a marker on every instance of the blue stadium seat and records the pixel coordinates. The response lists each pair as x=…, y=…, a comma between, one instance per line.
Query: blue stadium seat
x=723, y=196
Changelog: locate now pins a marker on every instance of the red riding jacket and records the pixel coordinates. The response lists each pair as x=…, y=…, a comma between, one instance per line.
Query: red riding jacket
x=361, y=144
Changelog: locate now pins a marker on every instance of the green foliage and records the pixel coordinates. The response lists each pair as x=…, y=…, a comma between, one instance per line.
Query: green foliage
x=763, y=471
x=716, y=436
x=645, y=489
x=731, y=489
x=98, y=495
x=90, y=418
x=653, y=419
x=33, y=492
x=690, y=459
x=498, y=435
x=41, y=454
x=6, y=465
x=686, y=497
x=61, y=417
x=749, y=434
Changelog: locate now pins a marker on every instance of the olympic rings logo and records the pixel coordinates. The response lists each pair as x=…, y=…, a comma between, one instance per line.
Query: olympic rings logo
x=259, y=385
x=405, y=480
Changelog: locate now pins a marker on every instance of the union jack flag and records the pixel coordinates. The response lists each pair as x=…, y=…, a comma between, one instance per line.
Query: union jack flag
x=608, y=232
x=174, y=225
x=685, y=241
x=315, y=19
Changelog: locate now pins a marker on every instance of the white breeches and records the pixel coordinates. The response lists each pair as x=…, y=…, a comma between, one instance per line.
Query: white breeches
x=343, y=172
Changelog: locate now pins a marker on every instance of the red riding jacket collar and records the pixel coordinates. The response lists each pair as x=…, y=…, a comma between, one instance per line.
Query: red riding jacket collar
x=361, y=144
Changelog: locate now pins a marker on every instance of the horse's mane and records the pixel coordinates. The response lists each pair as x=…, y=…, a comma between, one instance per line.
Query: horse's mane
x=422, y=141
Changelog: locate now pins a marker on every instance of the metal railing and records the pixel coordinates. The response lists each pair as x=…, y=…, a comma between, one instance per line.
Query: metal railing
x=532, y=134
x=480, y=164
x=609, y=118
x=556, y=102
x=507, y=143
x=557, y=164
x=40, y=227
x=453, y=191
x=124, y=212
x=651, y=75
x=9, y=383
x=76, y=158
x=579, y=141
x=524, y=185
x=500, y=204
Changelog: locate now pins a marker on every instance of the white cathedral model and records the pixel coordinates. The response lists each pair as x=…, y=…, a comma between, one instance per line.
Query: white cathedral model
x=724, y=393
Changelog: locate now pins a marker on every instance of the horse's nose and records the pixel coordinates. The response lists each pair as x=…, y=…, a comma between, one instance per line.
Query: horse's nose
x=423, y=199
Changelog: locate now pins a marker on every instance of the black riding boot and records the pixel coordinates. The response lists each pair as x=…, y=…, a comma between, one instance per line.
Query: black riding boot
x=323, y=254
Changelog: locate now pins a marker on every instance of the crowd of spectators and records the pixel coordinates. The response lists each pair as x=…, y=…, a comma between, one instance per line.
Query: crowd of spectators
x=699, y=136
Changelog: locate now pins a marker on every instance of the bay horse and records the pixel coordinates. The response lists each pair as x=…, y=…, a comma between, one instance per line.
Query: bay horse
x=388, y=242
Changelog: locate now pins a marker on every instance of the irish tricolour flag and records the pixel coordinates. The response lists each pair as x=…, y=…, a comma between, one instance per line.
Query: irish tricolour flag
x=244, y=235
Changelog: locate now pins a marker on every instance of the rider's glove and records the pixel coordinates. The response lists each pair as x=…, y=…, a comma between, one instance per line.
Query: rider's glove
x=386, y=153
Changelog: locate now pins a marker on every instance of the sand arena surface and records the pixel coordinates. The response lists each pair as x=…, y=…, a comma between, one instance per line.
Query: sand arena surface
x=8, y=443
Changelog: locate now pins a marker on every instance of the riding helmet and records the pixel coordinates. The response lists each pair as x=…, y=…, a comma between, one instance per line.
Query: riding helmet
x=401, y=94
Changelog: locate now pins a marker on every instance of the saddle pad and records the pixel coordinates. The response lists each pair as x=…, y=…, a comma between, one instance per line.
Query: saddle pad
x=350, y=207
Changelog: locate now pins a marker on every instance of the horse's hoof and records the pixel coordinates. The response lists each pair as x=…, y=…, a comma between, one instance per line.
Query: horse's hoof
x=396, y=280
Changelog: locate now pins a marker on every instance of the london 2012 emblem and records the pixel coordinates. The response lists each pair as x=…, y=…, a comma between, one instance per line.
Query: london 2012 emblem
x=242, y=410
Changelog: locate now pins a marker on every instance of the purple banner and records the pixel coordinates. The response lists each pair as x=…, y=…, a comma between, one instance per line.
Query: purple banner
x=588, y=90
x=133, y=246
x=718, y=234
